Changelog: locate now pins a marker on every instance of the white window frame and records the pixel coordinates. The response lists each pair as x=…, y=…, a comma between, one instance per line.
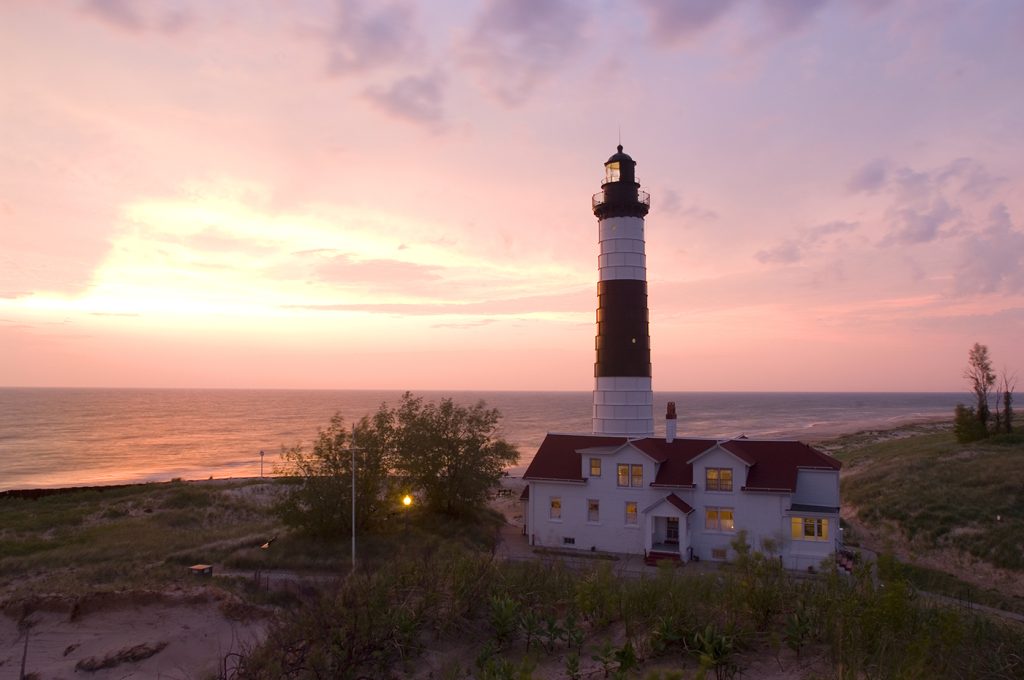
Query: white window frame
x=633, y=476
x=555, y=509
x=716, y=523
x=619, y=476
x=594, y=511
x=595, y=464
x=635, y=514
x=819, y=527
x=718, y=479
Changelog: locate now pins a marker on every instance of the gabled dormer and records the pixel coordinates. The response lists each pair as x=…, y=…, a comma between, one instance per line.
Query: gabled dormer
x=720, y=470
x=624, y=465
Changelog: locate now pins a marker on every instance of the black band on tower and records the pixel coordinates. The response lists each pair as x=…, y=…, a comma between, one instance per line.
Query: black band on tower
x=623, y=341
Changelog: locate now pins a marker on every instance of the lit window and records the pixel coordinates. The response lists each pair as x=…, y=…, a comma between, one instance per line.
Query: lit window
x=810, y=529
x=631, y=512
x=719, y=519
x=612, y=172
x=623, y=471
x=593, y=510
x=636, y=473
x=556, y=508
x=718, y=479
x=725, y=519
x=595, y=467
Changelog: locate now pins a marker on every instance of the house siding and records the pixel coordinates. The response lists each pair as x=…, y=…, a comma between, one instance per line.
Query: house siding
x=766, y=516
x=817, y=487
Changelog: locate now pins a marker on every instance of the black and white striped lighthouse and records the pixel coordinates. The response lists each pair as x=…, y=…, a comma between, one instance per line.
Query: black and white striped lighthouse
x=623, y=398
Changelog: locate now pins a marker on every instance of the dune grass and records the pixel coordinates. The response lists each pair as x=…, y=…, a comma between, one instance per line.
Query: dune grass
x=127, y=536
x=942, y=494
x=448, y=612
x=944, y=583
x=146, y=536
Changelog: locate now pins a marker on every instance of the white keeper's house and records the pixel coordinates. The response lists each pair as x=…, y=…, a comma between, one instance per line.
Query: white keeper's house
x=621, y=489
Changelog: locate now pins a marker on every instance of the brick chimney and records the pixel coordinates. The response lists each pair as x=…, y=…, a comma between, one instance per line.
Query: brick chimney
x=670, y=422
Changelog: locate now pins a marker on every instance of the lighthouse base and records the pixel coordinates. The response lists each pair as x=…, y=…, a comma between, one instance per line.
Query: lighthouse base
x=624, y=406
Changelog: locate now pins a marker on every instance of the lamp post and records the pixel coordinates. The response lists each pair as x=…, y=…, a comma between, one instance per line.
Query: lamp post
x=261, y=463
x=352, y=449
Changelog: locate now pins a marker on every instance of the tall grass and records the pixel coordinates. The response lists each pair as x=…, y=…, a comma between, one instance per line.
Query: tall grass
x=380, y=621
x=969, y=497
x=141, y=535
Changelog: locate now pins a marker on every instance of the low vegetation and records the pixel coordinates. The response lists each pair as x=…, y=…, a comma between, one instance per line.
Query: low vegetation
x=937, y=493
x=133, y=536
x=454, y=613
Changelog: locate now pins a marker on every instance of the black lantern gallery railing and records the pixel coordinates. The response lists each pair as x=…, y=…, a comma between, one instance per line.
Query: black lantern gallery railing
x=642, y=197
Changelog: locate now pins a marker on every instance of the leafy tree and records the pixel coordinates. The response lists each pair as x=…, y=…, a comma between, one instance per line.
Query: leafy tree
x=321, y=502
x=979, y=374
x=452, y=453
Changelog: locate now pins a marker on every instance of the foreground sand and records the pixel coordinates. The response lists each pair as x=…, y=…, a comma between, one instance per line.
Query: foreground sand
x=189, y=636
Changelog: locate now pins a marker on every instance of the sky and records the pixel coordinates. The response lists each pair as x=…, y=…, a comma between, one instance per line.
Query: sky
x=395, y=194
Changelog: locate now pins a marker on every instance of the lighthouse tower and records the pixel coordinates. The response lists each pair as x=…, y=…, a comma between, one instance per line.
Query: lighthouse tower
x=623, y=399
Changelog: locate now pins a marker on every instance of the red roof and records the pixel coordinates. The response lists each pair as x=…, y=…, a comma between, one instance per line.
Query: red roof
x=675, y=469
x=558, y=456
x=660, y=450
x=776, y=462
x=773, y=465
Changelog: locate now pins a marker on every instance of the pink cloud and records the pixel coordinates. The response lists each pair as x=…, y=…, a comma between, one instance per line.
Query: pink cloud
x=419, y=99
x=370, y=35
x=515, y=45
x=677, y=23
x=992, y=260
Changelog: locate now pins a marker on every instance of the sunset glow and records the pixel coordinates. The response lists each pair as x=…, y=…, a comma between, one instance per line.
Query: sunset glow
x=390, y=195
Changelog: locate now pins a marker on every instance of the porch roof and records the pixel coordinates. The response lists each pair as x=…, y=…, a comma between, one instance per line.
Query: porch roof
x=807, y=507
x=672, y=499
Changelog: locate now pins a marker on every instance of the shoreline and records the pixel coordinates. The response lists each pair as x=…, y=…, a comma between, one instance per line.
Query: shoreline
x=823, y=435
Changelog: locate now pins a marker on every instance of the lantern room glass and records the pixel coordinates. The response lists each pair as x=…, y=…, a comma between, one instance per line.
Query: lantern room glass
x=612, y=172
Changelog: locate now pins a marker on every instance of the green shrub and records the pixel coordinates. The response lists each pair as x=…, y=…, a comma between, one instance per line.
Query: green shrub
x=966, y=425
x=504, y=617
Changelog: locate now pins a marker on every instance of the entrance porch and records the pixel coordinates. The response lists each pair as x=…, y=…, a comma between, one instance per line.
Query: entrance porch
x=666, y=535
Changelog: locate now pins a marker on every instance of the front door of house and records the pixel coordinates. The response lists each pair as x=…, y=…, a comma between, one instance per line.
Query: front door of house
x=672, y=530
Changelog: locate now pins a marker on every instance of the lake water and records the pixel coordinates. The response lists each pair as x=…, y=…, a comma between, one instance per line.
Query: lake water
x=65, y=437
